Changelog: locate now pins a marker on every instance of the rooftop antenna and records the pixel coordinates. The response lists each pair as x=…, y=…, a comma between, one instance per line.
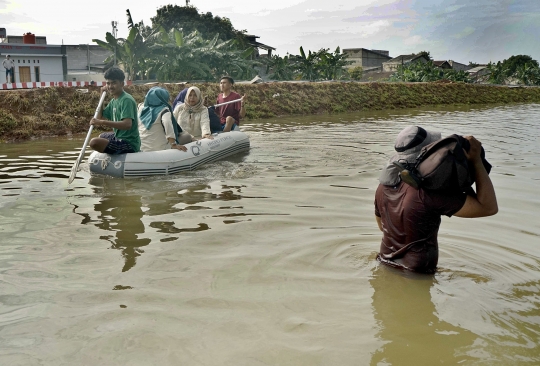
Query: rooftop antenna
x=114, y=24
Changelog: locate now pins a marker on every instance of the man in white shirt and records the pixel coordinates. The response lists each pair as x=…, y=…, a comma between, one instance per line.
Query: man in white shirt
x=9, y=66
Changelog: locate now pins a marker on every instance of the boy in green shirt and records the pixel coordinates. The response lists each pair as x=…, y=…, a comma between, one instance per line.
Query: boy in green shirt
x=121, y=115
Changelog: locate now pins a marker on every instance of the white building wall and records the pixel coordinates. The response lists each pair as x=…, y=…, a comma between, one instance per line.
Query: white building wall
x=50, y=67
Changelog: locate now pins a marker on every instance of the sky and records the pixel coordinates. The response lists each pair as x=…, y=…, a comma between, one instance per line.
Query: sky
x=461, y=30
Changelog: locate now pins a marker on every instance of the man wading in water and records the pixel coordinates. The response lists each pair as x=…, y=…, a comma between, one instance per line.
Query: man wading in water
x=410, y=218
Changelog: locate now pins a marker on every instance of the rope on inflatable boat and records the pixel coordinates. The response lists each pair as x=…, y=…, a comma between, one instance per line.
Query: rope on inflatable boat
x=104, y=162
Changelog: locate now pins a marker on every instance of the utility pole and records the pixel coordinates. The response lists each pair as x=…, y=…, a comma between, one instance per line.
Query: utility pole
x=114, y=31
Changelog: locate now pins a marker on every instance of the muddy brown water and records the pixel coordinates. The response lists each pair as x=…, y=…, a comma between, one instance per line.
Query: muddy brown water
x=267, y=258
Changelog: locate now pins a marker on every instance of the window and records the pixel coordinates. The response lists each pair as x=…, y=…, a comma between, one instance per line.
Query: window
x=36, y=72
x=23, y=61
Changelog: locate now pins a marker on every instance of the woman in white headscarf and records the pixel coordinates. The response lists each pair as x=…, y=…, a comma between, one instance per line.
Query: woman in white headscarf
x=192, y=116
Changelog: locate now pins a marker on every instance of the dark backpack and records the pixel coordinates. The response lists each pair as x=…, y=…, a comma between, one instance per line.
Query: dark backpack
x=442, y=166
x=215, y=122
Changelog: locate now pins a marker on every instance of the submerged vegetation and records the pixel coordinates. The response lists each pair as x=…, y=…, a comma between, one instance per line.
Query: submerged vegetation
x=26, y=114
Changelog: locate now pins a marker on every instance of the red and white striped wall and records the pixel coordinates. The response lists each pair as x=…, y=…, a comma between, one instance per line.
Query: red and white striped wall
x=43, y=84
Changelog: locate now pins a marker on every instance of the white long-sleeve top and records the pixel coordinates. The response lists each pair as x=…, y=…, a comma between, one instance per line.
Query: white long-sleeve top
x=197, y=126
x=155, y=138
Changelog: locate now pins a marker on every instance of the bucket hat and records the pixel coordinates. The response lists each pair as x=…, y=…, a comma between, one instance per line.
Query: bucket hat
x=409, y=143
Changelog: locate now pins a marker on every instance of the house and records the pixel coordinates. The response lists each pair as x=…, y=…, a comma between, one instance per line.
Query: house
x=35, y=62
x=459, y=66
x=369, y=60
x=442, y=64
x=478, y=73
x=20, y=39
x=53, y=63
x=85, y=62
x=393, y=64
x=252, y=39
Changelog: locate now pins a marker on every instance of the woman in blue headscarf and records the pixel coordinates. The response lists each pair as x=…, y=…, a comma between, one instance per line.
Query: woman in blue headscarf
x=157, y=126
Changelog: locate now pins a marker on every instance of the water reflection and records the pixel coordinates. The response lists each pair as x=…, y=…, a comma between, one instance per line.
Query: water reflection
x=122, y=215
x=121, y=211
x=409, y=323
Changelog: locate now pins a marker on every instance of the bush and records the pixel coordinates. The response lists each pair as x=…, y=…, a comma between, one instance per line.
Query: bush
x=7, y=122
x=356, y=72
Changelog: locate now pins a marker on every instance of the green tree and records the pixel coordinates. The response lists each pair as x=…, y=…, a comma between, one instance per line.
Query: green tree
x=175, y=57
x=528, y=74
x=426, y=72
x=332, y=65
x=513, y=62
x=498, y=73
x=129, y=52
x=425, y=53
x=308, y=65
x=356, y=73
x=170, y=55
x=192, y=57
x=188, y=19
x=280, y=68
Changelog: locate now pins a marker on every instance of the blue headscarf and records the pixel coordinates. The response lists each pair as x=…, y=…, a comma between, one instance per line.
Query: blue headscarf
x=155, y=101
x=180, y=98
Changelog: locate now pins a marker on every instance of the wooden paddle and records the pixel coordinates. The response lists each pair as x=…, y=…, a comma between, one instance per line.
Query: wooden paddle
x=75, y=166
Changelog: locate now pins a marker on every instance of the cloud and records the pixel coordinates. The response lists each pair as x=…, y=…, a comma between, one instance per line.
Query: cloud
x=465, y=32
x=462, y=30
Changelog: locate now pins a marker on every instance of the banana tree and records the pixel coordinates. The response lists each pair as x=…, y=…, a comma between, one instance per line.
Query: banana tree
x=497, y=73
x=527, y=74
x=333, y=65
x=280, y=68
x=308, y=65
x=175, y=56
x=129, y=52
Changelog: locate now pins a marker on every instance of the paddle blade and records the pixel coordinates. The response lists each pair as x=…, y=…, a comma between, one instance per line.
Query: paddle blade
x=74, y=170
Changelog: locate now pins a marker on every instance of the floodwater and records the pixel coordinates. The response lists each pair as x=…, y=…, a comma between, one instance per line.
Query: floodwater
x=267, y=258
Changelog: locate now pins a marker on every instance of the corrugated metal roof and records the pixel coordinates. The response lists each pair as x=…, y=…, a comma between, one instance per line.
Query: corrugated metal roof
x=476, y=69
x=406, y=58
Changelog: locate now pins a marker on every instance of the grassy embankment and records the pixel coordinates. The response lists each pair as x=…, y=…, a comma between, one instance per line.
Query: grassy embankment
x=27, y=114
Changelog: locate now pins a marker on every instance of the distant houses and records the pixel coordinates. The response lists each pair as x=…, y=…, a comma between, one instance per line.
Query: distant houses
x=252, y=39
x=478, y=73
x=369, y=60
x=401, y=60
x=85, y=62
x=377, y=64
x=445, y=65
x=35, y=61
x=459, y=66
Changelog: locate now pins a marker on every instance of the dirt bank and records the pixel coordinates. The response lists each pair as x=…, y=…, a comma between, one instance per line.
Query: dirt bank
x=35, y=113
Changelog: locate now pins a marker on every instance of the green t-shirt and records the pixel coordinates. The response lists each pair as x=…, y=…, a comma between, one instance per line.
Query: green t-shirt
x=118, y=109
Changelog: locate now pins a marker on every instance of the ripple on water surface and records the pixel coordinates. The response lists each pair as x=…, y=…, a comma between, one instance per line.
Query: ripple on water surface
x=267, y=257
